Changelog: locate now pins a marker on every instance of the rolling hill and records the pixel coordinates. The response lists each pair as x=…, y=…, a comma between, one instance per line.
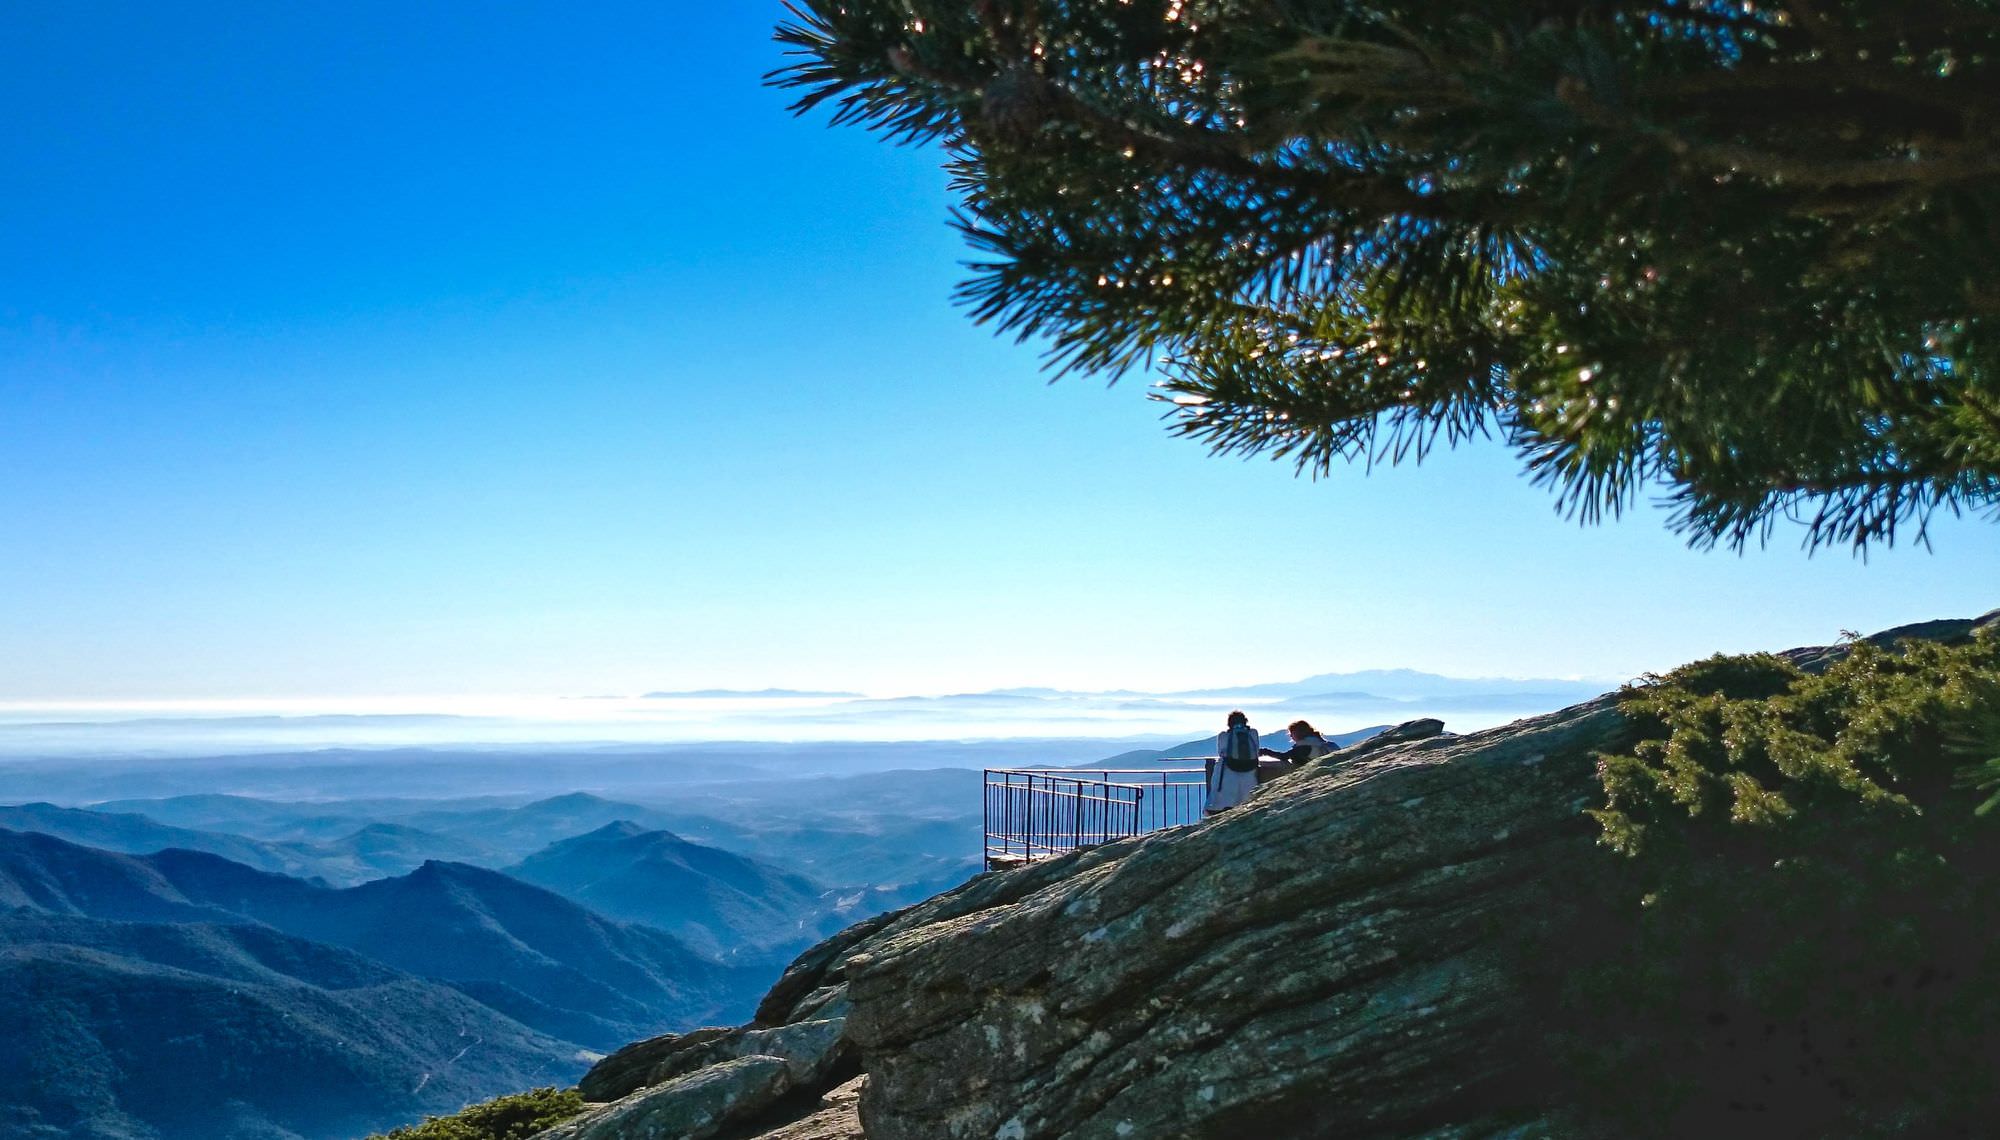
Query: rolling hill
x=202, y=1031
x=136, y=834
x=719, y=903
x=523, y=950
x=361, y=850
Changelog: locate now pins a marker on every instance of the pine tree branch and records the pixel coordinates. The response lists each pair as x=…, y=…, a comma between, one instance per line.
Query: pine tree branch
x=1656, y=243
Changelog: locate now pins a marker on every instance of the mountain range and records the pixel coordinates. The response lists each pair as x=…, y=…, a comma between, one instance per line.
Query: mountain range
x=1412, y=685
x=904, y=834
x=748, y=694
x=1369, y=687
x=537, y=957
x=371, y=850
x=1380, y=684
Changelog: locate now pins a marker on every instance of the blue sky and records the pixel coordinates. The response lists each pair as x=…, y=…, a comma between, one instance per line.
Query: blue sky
x=369, y=349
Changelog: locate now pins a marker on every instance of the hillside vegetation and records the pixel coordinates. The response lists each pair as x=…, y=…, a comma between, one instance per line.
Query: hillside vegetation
x=127, y=1030
x=1802, y=930
x=514, y=1117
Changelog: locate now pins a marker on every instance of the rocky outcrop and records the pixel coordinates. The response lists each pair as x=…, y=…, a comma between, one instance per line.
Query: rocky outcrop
x=693, y=1107
x=837, y=1116
x=813, y=1050
x=1281, y=964
x=1351, y=953
x=1322, y=962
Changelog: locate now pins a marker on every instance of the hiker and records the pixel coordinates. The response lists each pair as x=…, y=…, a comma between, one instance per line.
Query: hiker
x=1307, y=746
x=1232, y=775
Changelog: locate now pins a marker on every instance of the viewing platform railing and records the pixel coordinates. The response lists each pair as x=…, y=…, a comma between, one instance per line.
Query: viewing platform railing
x=1037, y=813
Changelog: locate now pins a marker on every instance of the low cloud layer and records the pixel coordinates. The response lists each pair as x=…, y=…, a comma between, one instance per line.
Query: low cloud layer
x=1333, y=702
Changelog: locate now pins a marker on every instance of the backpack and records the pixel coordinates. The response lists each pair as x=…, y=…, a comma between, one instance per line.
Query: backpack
x=1239, y=751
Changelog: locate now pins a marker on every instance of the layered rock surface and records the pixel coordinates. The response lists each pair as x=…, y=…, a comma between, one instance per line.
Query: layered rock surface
x=1352, y=953
x=1319, y=963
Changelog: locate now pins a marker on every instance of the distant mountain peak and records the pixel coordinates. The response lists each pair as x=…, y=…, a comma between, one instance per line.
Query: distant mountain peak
x=717, y=900
x=379, y=828
x=623, y=829
x=444, y=871
x=454, y=869
x=569, y=799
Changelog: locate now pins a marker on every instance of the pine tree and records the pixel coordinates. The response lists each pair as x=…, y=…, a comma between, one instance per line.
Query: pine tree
x=1742, y=254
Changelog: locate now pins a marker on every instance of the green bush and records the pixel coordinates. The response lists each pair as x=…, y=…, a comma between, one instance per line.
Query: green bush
x=1799, y=937
x=514, y=1117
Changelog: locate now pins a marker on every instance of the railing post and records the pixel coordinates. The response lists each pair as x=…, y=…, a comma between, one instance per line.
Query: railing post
x=1076, y=821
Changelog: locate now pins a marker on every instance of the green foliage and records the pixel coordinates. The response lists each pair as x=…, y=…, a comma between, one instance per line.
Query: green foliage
x=1801, y=938
x=1976, y=736
x=514, y=1117
x=1742, y=251
x=1754, y=740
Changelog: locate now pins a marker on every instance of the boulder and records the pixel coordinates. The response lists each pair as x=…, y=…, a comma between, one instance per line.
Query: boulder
x=836, y=1117
x=811, y=1051
x=692, y=1107
x=631, y=1068
x=1404, y=733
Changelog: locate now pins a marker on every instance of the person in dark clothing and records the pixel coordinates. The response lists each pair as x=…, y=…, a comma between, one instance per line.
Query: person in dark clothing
x=1307, y=745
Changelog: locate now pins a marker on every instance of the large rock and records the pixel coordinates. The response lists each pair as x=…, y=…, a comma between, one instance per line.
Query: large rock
x=1322, y=961
x=837, y=1116
x=692, y=1107
x=1279, y=965
x=1355, y=952
x=643, y=1063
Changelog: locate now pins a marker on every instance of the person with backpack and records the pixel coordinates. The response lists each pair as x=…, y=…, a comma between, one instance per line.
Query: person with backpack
x=1232, y=776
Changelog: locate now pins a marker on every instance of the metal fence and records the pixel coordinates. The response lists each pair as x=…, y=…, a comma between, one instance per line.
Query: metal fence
x=1034, y=813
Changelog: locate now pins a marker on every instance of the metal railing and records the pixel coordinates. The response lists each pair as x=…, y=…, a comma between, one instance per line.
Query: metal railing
x=1036, y=813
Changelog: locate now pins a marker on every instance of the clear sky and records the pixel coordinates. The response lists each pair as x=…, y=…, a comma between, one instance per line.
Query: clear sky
x=355, y=349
